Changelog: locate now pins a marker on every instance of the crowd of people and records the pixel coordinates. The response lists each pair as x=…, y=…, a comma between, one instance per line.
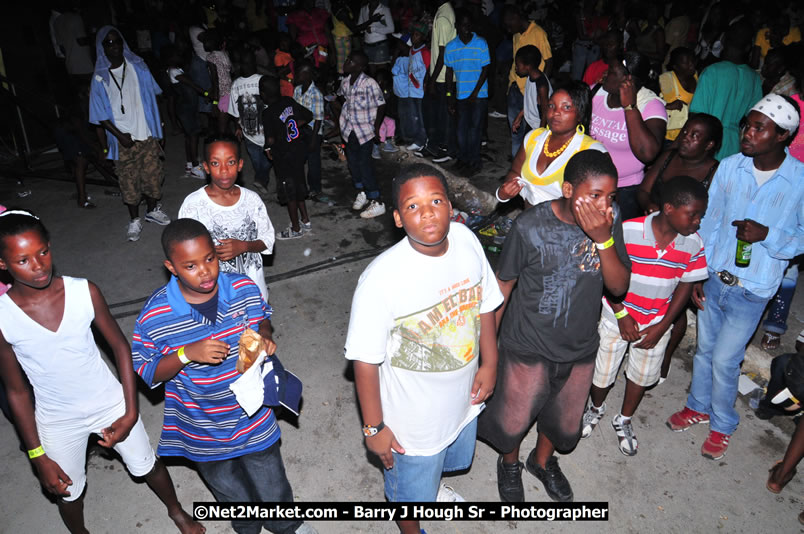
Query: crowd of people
x=657, y=155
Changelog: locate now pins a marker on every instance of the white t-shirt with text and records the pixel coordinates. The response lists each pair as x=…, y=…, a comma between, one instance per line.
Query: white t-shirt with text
x=418, y=318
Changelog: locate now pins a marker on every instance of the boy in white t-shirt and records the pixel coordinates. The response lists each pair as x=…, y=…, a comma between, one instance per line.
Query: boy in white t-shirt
x=235, y=216
x=422, y=313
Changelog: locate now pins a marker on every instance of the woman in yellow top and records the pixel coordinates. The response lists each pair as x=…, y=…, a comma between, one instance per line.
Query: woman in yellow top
x=537, y=172
x=343, y=26
x=677, y=87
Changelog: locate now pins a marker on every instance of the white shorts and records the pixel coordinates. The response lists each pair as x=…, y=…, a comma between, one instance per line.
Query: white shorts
x=644, y=365
x=66, y=444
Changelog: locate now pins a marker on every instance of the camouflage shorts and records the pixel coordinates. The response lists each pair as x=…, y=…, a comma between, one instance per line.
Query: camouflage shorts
x=140, y=171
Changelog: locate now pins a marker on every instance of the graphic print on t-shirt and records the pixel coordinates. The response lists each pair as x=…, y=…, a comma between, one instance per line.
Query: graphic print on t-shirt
x=441, y=337
x=250, y=107
x=247, y=231
x=559, y=284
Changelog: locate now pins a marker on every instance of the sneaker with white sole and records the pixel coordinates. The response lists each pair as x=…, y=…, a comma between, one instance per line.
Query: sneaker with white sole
x=197, y=172
x=134, y=229
x=497, y=115
x=374, y=209
x=360, y=201
x=290, y=233
x=375, y=152
x=413, y=147
x=388, y=146
x=591, y=418
x=306, y=226
x=625, y=433
x=157, y=216
x=447, y=494
x=442, y=159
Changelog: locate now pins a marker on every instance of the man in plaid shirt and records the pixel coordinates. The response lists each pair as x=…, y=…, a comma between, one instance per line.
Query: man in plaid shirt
x=309, y=96
x=362, y=112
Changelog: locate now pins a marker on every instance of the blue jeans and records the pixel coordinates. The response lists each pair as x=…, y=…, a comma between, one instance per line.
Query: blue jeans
x=584, y=53
x=776, y=321
x=314, y=165
x=470, y=128
x=516, y=103
x=725, y=325
x=417, y=478
x=256, y=477
x=262, y=165
x=411, y=120
x=358, y=158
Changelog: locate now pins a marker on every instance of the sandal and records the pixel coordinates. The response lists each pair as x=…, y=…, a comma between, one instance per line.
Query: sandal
x=771, y=341
x=774, y=487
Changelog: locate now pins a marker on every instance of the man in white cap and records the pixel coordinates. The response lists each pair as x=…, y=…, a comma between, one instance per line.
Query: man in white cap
x=756, y=196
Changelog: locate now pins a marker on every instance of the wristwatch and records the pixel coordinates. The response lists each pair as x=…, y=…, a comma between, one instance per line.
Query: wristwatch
x=369, y=430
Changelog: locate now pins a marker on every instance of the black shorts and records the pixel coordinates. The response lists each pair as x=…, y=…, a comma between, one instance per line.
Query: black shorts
x=290, y=181
x=532, y=388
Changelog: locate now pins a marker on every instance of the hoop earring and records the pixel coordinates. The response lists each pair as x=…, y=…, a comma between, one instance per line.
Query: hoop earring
x=580, y=129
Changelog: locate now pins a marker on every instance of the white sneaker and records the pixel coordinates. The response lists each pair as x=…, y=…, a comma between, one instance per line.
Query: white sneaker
x=625, y=433
x=197, y=172
x=497, y=115
x=306, y=226
x=157, y=216
x=591, y=418
x=375, y=152
x=360, y=202
x=374, y=209
x=134, y=229
x=413, y=147
x=447, y=494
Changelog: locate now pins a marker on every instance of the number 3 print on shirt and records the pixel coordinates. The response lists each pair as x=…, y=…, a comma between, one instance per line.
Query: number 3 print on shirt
x=293, y=130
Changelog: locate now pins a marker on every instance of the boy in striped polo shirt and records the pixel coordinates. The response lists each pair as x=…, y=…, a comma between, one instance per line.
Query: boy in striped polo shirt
x=186, y=337
x=467, y=60
x=667, y=257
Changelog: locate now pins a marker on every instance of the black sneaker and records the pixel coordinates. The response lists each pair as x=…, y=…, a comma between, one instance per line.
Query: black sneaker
x=555, y=483
x=509, y=481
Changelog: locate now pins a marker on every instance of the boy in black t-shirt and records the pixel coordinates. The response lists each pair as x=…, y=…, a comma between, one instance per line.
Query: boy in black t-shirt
x=559, y=254
x=283, y=122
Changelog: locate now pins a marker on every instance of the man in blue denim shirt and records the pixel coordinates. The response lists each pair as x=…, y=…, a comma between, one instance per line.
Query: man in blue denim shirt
x=756, y=196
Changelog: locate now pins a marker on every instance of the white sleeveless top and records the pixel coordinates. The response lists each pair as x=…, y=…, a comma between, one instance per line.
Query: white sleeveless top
x=69, y=378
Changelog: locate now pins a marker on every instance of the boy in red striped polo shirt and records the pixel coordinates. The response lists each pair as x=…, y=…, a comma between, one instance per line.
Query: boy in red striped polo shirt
x=667, y=257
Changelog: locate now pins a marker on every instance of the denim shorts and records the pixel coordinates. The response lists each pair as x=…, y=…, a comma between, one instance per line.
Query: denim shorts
x=417, y=478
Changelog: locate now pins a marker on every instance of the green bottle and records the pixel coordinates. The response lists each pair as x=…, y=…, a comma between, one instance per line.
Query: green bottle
x=743, y=257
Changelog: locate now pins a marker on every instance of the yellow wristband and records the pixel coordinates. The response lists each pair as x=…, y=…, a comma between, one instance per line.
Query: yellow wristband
x=206, y=93
x=449, y=94
x=607, y=244
x=182, y=357
x=36, y=453
x=105, y=150
x=620, y=314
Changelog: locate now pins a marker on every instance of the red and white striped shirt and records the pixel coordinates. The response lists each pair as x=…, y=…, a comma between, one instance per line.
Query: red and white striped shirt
x=656, y=273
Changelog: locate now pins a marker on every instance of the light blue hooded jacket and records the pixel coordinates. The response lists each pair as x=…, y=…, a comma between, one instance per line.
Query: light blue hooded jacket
x=100, y=108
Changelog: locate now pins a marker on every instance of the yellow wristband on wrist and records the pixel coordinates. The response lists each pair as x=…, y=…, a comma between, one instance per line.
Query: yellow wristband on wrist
x=449, y=94
x=608, y=244
x=620, y=314
x=36, y=453
x=183, y=357
x=215, y=102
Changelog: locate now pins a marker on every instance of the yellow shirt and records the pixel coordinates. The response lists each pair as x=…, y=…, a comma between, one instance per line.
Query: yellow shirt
x=793, y=36
x=537, y=37
x=339, y=29
x=672, y=90
x=443, y=32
